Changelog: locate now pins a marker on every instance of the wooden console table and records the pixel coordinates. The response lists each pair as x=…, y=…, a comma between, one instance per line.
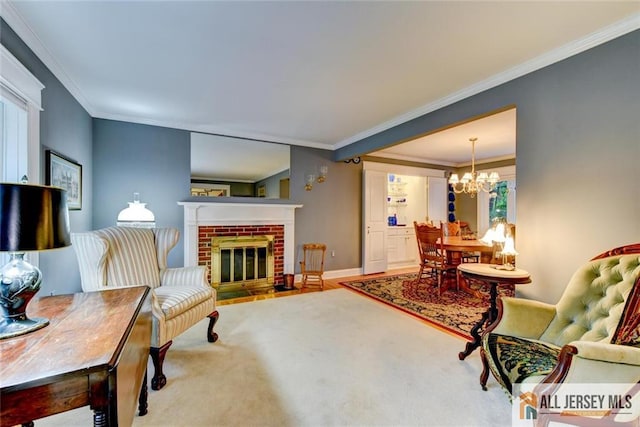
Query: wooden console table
x=493, y=276
x=94, y=352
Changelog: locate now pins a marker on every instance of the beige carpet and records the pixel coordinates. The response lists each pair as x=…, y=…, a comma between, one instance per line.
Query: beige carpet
x=332, y=358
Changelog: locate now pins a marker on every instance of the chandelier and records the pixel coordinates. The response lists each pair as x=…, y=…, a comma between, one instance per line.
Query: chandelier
x=471, y=182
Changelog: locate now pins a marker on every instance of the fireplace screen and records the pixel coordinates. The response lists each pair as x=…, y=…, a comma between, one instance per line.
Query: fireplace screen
x=242, y=262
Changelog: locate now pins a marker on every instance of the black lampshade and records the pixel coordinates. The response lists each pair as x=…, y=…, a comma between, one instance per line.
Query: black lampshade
x=33, y=218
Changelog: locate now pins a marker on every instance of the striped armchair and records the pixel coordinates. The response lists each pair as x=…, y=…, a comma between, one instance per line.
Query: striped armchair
x=120, y=256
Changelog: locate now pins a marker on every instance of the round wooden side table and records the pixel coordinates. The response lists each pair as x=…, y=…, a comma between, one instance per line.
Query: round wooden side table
x=493, y=275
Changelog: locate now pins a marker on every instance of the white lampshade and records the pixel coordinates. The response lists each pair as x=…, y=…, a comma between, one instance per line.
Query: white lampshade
x=487, y=239
x=509, y=247
x=499, y=235
x=136, y=215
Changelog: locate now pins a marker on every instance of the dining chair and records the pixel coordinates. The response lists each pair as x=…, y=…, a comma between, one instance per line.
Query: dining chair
x=312, y=264
x=456, y=228
x=433, y=258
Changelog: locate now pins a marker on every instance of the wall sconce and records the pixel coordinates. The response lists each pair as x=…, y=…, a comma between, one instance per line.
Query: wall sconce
x=324, y=170
x=309, y=182
x=311, y=178
x=136, y=215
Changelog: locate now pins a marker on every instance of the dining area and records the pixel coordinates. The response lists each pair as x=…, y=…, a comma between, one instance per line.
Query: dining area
x=442, y=248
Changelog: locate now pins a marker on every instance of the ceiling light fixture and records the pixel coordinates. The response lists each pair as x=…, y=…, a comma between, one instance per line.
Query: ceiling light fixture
x=471, y=182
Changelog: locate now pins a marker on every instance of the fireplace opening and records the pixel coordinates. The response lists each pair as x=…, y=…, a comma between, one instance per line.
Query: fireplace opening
x=242, y=262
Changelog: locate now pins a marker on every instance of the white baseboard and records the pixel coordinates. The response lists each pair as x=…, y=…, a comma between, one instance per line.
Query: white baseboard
x=335, y=274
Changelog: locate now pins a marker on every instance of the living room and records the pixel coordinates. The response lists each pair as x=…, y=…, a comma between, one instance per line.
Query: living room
x=577, y=161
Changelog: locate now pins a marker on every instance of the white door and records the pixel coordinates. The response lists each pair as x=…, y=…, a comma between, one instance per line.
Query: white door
x=437, y=199
x=374, y=246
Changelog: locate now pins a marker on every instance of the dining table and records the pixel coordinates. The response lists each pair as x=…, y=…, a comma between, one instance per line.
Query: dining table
x=455, y=246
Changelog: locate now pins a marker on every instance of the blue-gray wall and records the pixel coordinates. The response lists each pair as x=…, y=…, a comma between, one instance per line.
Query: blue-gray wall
x=65, y=127
x=331, y=211
x=150, y=160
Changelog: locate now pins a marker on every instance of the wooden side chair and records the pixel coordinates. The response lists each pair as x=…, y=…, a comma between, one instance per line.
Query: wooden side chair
x=456, y=228
x=312, y=264
x=433, y=258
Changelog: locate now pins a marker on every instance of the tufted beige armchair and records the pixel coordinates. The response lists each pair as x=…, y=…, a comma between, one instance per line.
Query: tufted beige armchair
x=181, y=297
x=590, y=336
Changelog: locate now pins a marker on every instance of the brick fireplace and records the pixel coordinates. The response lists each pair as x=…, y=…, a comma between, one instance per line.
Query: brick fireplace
x=207, y=233
x=230, y=216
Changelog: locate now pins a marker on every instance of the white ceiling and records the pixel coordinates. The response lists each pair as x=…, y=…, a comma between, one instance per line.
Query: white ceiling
x=451, y=147
x=314, y=73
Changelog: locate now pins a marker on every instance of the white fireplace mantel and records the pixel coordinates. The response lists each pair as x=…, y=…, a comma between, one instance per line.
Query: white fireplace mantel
x=200, y=213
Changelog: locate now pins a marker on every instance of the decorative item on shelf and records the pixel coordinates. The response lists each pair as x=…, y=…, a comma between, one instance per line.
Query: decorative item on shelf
x=452, y=206
x=500, y=237
x=471, y=182
x=136, y=215
x=33, y=218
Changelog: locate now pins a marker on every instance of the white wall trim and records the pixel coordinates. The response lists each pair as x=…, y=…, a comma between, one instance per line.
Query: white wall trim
x=402, y=169
x=335, y=274
x=15, y=77
x=631, y=23
x=20, y=82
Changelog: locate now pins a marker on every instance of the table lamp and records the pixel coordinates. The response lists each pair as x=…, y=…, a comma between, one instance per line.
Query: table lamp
x=136, y=215
x=33, y=218
x=499, y=236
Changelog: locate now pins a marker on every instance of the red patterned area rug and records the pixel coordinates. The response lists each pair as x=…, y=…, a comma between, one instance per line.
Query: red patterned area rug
x=453, y=311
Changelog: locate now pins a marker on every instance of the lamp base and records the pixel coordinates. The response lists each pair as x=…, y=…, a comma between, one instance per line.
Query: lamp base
x=504, y=267
x=13, y=328
x=19, y=282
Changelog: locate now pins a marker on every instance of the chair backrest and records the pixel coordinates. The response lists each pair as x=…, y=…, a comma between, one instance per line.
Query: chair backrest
x=453, y=228
x=122, y=256
x=601, y=301
x=430, y=242
x=313, y=258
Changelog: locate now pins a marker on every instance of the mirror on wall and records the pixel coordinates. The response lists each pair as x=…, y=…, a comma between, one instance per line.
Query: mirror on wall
x=223, y=166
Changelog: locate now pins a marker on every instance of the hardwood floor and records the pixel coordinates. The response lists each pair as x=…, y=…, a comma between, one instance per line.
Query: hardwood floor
x=329, y=284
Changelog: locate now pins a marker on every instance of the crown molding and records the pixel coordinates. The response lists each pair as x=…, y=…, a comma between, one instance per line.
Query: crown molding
x=29, y=37
x=631, y=23
x=213, y=130
x=413, y=159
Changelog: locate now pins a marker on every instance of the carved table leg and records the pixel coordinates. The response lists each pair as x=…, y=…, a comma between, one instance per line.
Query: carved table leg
x=484, y=376
x=472, y=345
x=144, y=394
x=487, y=319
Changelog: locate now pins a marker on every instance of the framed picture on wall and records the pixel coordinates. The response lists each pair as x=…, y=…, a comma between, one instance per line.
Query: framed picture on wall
x=66, y=174
x=262, y=191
